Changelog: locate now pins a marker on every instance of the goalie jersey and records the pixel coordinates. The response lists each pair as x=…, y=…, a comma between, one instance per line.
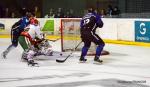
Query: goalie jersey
x=34, y=29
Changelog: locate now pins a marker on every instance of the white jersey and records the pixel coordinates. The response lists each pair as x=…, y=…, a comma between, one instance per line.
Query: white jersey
x=34, y=31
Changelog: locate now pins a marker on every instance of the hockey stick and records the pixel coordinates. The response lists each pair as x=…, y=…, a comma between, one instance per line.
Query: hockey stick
x=61, y=61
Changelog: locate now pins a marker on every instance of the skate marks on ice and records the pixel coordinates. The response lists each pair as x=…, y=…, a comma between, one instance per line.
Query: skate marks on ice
x=70, y=75
x=95, y=83
x=109, y=82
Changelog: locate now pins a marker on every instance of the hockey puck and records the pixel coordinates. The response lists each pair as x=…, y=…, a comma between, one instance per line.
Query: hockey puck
x=60, y=54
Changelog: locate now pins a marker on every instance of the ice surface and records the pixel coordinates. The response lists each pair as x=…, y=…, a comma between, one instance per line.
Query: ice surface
x=126, y=66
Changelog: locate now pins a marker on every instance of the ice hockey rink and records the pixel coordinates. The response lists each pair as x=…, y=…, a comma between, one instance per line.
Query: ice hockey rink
x=126, y=66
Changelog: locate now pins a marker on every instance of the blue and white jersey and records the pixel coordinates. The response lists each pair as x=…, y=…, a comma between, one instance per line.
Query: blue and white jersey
x=21, y=24
x=24, y=23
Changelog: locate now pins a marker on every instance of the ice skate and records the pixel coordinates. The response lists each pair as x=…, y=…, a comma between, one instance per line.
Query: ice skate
x=82, y=60
x=32, y=63
x=97, y=60
x=24, y=57
x=3, y=55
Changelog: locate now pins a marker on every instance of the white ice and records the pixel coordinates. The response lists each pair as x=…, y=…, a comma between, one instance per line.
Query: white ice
x=126, y=66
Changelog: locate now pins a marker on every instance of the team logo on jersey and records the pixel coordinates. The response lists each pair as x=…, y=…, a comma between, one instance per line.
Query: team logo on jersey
x=142, y=31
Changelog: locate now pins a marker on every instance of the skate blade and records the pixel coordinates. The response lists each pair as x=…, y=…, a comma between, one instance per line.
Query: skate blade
x=82, y=62
x=33, y=65
x=97, y=63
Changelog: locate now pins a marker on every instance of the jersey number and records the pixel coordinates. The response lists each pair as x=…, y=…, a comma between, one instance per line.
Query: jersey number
x=86, y=21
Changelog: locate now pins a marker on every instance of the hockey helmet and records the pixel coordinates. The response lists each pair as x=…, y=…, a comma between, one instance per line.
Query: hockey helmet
x=34, y=21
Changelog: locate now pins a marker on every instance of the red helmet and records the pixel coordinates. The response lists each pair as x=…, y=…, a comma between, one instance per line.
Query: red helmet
x=34, y=21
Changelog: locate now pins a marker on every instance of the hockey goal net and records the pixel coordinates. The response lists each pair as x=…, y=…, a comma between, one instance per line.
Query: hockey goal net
x=70, y=36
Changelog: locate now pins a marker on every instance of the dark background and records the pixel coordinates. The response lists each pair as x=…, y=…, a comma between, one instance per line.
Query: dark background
x=78, y=6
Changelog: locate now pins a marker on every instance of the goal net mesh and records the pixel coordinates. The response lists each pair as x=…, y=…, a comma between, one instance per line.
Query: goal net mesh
x=70, y=35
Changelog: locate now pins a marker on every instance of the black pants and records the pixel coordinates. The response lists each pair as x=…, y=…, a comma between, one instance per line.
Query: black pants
x=88, y=38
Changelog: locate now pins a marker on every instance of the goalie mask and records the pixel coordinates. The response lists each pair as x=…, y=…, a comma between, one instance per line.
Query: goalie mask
x=34, y=21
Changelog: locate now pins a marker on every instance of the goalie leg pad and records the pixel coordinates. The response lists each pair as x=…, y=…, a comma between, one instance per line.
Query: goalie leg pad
x=46, y=51
x=49, y=51
x=30, y=55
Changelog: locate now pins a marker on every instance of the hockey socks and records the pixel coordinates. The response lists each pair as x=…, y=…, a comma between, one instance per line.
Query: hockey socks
x=84, y=51
x=99, y=50
x=83, y=54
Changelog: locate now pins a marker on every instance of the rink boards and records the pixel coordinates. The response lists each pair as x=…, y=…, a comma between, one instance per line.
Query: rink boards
x=115, y=30
x=54, y=37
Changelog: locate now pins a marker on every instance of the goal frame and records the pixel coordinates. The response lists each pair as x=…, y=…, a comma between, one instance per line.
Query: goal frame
x=61, y=30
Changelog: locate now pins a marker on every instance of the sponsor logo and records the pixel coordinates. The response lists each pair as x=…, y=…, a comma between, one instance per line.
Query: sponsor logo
x=142, y=31
x=49, y=26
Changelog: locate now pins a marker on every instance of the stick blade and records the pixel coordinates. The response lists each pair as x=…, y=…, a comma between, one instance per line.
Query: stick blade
x=60, y=61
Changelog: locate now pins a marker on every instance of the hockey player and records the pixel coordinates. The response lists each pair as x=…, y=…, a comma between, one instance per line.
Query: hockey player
x=38, y=45
x=32, y=30
x=16, y=30
x=88, y=26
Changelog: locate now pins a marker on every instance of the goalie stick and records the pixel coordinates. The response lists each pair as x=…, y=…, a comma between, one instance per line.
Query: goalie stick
x=61, y=61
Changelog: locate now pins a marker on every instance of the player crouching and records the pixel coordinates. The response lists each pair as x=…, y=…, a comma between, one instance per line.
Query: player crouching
x=35, y=43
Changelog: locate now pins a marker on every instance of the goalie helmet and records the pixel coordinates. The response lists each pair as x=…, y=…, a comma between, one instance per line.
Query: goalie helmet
x=34, y=21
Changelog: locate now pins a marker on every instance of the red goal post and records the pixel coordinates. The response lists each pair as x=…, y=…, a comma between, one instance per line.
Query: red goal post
x=70, y=33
